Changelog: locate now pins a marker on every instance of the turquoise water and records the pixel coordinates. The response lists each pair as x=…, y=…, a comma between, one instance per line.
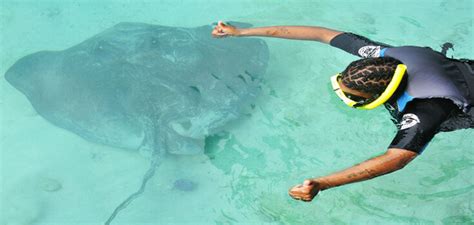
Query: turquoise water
x=297, y=130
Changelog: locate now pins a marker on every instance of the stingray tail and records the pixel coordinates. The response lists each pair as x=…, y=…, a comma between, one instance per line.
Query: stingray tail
x=148, y=175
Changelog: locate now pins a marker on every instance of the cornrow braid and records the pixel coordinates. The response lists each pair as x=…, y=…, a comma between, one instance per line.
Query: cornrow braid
x=370, y=75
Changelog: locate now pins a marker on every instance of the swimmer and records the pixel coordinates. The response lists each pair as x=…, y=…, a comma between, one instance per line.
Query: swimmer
x=424, y=91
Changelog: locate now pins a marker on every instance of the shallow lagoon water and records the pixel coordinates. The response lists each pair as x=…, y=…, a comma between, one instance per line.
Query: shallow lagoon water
x=298, y=128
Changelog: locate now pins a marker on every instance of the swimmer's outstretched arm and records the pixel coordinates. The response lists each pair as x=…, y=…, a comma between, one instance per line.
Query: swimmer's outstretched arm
x=320, y=34
x=394, y=159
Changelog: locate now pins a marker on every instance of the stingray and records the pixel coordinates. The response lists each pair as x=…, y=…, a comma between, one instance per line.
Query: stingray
x=156, y=89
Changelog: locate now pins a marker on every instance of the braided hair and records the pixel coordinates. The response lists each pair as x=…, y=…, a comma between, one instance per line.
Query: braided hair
x=371, y=75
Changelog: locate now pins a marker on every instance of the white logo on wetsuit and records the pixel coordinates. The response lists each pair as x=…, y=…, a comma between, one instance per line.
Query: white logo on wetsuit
x=369, y=51
x=409, y=120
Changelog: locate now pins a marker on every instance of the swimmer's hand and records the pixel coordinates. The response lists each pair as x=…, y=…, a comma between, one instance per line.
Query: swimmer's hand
x=306, y=191
x=224, y=30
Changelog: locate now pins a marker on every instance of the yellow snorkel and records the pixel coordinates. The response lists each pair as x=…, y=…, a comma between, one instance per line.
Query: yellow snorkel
x=391, y=88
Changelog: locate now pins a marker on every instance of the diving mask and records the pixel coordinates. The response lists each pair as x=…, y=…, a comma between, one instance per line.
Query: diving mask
x=370, y=103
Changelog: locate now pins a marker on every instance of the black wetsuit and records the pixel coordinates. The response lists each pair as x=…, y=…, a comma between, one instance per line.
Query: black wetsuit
x=420, y=119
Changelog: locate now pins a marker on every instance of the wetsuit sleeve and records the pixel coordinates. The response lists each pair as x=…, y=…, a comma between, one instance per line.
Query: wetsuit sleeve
x=421, y=120
x=358, y=45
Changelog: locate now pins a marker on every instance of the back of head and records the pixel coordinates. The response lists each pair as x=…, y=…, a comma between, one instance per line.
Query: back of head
x=371, y=75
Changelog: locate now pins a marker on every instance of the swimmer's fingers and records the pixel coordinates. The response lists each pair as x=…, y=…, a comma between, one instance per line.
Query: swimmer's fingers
x=224, y=30
x=217, y=34
x=302, y=197
x=219, y=30
x=300, y=192
x=304, y=192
